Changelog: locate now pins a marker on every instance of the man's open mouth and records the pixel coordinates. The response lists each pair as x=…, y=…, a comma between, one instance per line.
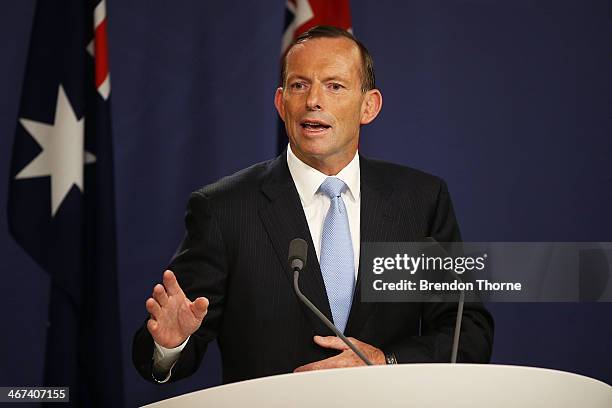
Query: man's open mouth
x=314, y=125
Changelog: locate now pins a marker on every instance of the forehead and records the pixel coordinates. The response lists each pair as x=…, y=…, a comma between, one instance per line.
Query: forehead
x=334, y=56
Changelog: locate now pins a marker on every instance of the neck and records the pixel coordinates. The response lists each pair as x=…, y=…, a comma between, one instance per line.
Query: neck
x=329, y=166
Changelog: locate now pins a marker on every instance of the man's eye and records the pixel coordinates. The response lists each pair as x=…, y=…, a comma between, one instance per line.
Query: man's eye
x=297, y=85
x=335, y=86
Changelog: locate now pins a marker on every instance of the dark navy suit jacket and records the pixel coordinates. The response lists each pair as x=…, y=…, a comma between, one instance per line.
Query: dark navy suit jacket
x=235, y=253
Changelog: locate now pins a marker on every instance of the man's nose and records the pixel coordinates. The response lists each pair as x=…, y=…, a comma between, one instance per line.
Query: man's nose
x=313, y=101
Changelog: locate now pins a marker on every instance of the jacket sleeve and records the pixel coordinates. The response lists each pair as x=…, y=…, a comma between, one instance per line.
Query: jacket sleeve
x=438, y=318
x=201, y=269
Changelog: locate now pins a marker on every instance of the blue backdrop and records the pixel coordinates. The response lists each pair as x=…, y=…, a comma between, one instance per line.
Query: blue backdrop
x=509, y=101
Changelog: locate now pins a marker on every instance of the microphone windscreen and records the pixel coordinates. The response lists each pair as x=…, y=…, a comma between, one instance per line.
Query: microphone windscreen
x=298, y=250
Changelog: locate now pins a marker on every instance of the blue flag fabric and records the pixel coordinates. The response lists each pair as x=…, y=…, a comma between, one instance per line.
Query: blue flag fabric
x=61, y=197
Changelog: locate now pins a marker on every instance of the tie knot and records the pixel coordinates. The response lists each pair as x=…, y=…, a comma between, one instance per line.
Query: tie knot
x=333, y=187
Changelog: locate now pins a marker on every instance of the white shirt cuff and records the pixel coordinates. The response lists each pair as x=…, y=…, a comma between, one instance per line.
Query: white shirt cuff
x=164, y=360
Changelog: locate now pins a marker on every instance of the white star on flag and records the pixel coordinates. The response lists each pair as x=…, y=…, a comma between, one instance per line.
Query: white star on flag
x=63, y=155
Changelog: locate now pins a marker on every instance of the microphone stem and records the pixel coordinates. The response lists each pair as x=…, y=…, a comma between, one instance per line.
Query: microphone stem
x=457, y=327
x=304, y=299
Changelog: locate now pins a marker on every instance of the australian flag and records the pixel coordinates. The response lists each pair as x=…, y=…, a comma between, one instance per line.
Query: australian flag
x=61, y=198
x=301, y=16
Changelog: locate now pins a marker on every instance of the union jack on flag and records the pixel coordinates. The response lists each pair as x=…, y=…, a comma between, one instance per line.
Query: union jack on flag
x=302, y=15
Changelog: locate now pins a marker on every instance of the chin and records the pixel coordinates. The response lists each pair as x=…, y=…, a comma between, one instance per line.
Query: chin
x=315, y=149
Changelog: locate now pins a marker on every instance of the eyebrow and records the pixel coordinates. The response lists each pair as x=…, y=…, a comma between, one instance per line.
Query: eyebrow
x=326, y=79
x=335, y=78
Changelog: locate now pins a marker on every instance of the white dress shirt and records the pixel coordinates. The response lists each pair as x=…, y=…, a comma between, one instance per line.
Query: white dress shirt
x=315, y=204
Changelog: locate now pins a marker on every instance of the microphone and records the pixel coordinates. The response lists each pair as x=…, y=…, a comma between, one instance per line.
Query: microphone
x=460, y=304
x=298, y=249
x=298, y=253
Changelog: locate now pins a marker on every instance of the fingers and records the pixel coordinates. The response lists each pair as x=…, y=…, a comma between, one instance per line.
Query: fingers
x=199, y=307
x=160, y=295
x=339, y=361
x=317, y=365
x=374, y=354
x=153, y=327
x=332, y=342
x=153, y=308
x=171, y=284
x=304, y=368
x=170, y=287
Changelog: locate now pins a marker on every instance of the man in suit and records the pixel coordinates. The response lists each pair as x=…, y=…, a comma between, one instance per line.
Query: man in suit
x=230, y=281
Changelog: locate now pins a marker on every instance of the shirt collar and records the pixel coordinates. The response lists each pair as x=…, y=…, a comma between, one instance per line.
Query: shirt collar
x=308, y=179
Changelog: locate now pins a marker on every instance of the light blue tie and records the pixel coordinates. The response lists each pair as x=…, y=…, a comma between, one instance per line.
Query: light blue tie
x=337, y=261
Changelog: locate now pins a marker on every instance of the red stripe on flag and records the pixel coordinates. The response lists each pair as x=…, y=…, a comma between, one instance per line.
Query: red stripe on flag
x=335, y=13
x=101, y=53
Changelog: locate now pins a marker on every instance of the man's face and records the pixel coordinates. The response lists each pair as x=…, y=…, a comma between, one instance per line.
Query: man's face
x=322, y=104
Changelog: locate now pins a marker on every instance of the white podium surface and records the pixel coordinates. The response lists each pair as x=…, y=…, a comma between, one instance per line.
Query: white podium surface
x=408, y=385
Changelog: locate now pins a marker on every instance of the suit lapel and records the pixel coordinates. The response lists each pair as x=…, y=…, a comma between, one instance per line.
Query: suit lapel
x=284, y=219
x=376, y=222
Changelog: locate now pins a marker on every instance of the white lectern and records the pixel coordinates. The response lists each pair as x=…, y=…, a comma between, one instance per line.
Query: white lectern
x=408, y=385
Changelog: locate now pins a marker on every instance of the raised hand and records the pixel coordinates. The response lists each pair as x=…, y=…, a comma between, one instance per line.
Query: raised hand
x=173, y=316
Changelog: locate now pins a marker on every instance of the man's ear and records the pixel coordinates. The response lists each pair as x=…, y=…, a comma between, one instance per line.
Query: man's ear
x=278, y=102
x=371, y=106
